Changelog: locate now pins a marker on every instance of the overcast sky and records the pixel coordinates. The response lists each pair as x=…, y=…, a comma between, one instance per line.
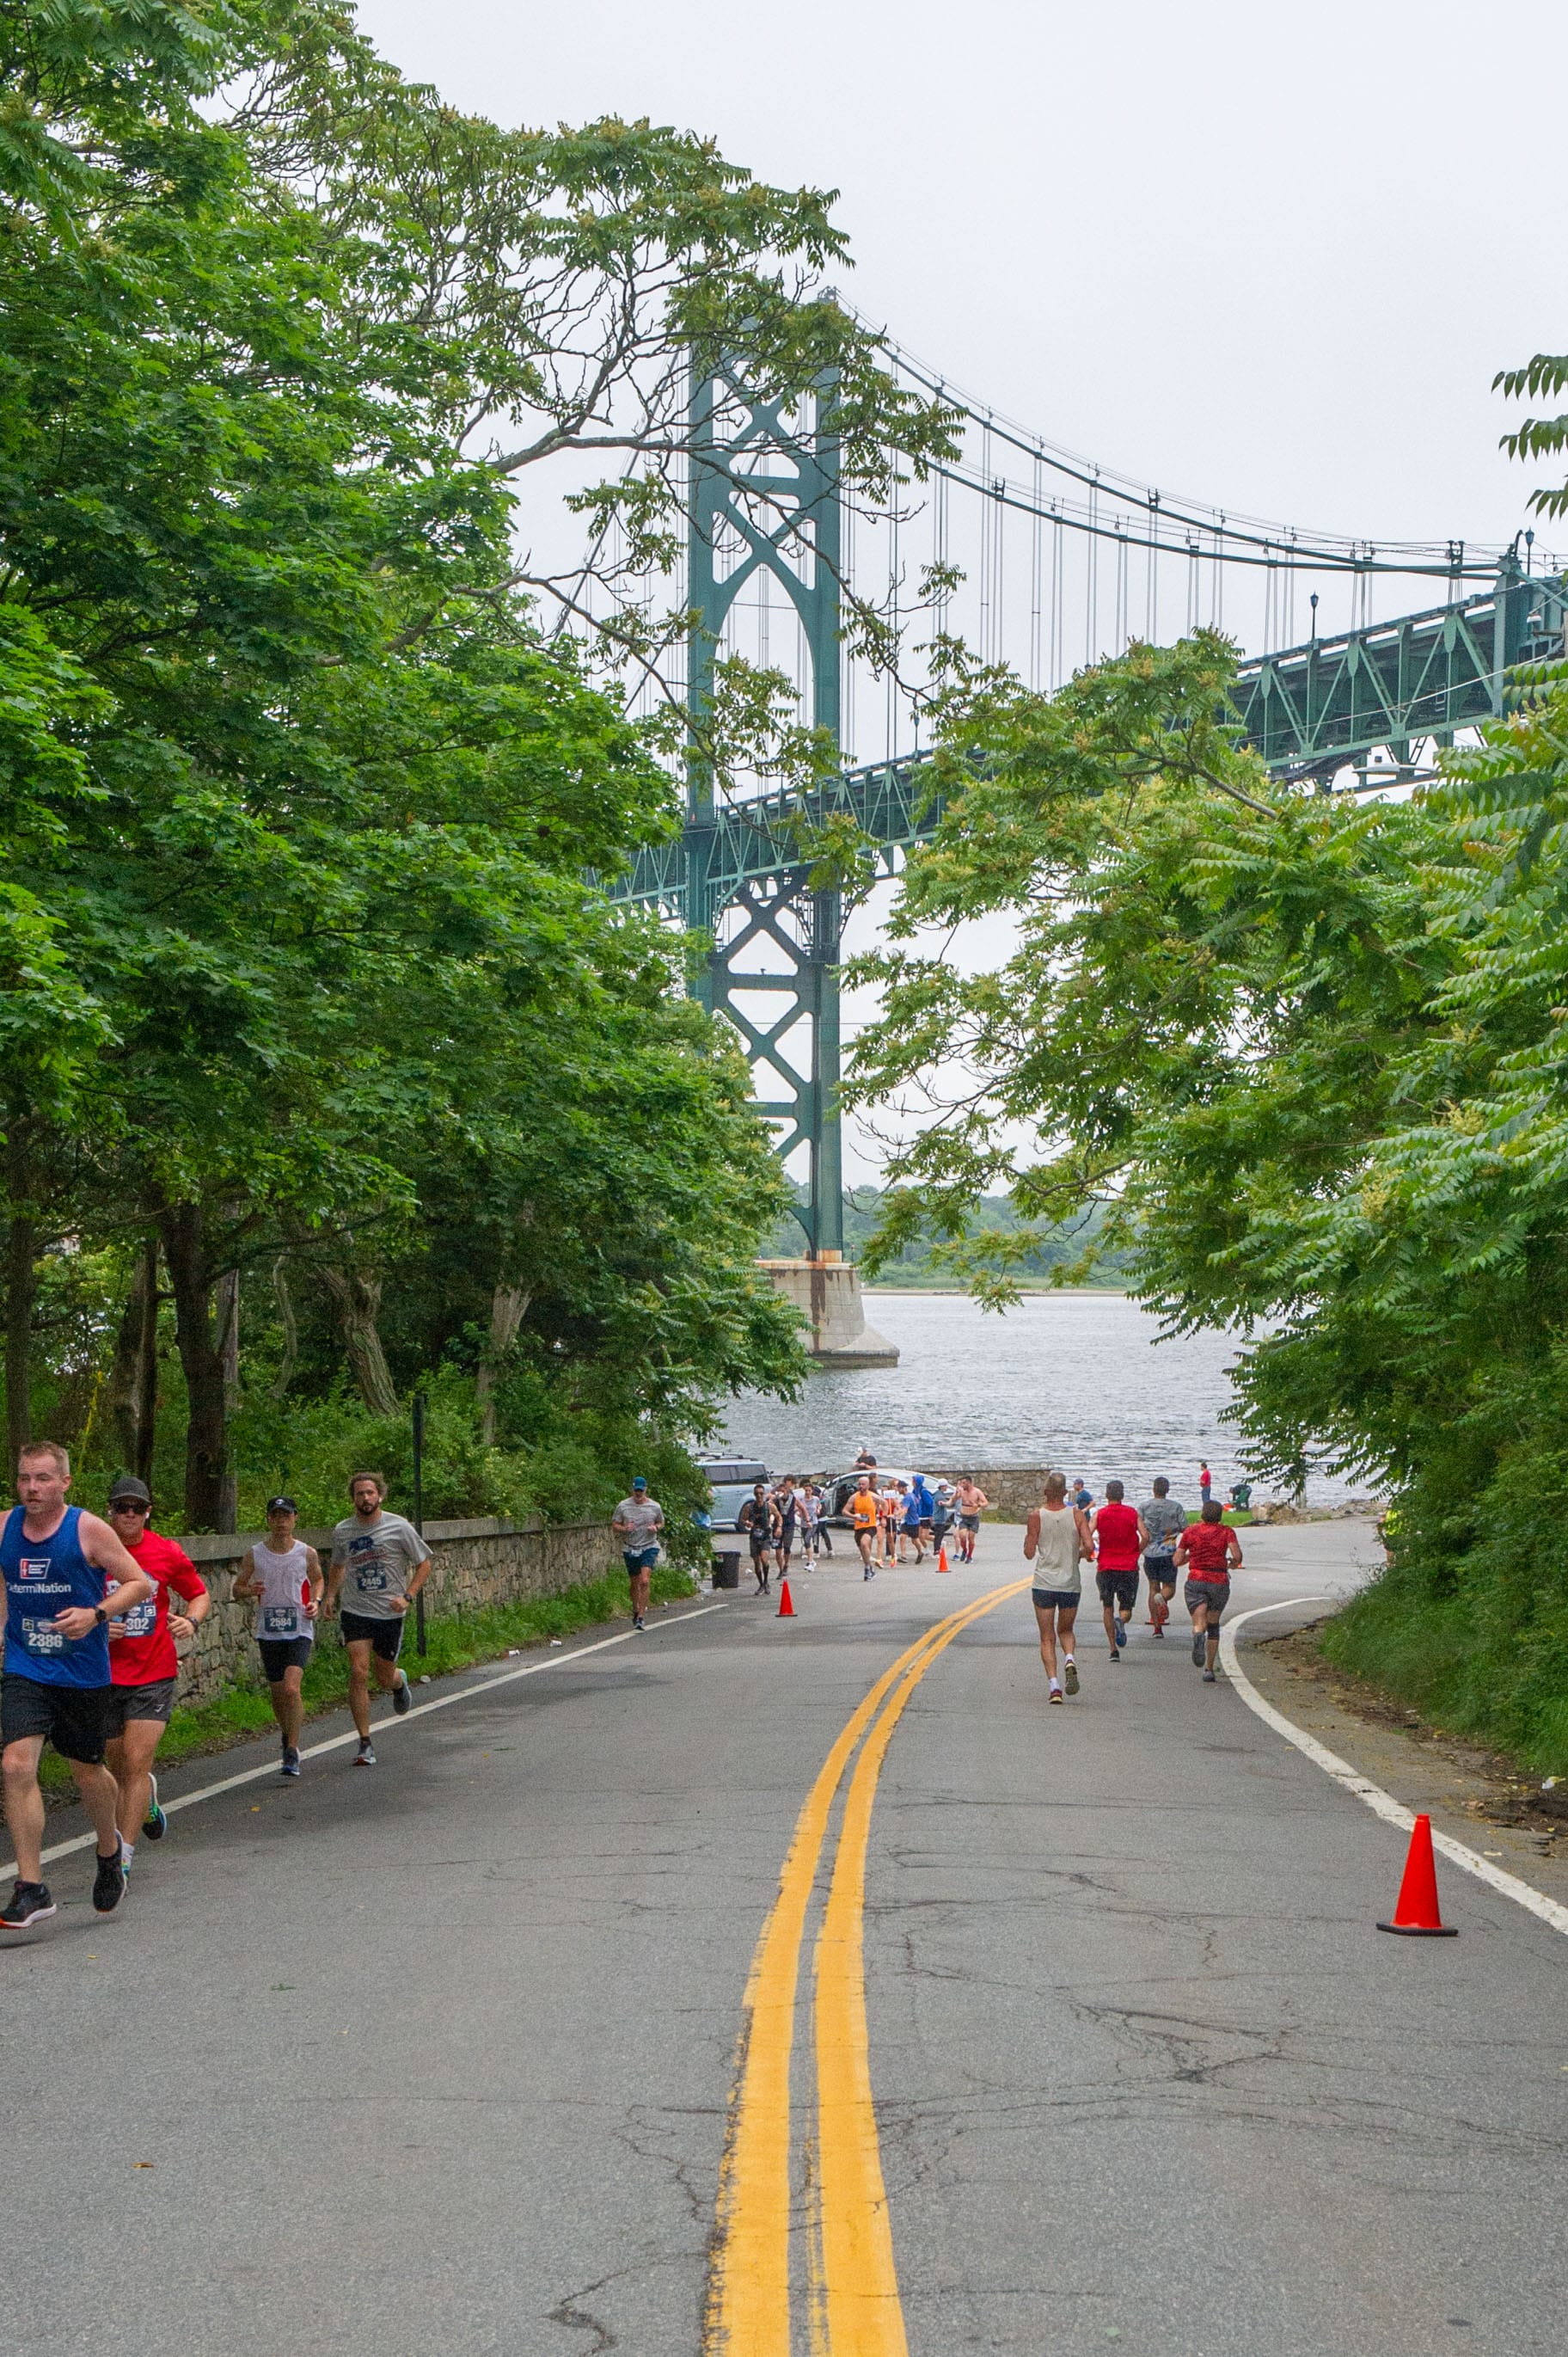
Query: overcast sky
x=1271, y=256
x=1268, y=257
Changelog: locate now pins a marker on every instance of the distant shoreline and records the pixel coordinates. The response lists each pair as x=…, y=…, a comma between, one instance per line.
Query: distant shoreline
x=956, y=1292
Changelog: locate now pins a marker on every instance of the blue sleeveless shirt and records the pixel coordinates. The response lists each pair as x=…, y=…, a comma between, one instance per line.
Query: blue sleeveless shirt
x=43, y=1578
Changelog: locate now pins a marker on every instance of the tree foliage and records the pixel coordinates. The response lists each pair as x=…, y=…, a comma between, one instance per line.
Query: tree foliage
x=1311, y=1053
x=303, y=979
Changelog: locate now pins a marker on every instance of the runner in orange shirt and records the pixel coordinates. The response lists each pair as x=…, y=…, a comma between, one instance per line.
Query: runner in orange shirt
x=864, y=1512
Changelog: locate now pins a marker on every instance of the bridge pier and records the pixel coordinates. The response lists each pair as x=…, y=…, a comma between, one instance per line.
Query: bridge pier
x=826, y=1291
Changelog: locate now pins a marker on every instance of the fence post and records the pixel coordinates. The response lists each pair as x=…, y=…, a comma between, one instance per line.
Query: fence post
x=419, y=1511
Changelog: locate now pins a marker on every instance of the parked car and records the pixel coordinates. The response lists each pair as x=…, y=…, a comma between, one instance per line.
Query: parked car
x=731, y=1480
x=838, y=1489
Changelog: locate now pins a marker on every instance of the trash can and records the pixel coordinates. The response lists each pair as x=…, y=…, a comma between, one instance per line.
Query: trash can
x=727, y=1570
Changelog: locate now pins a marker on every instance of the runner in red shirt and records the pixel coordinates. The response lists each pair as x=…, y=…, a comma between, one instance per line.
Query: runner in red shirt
x=1211, y=1552
x=142, y=1664
x=1120, y=1539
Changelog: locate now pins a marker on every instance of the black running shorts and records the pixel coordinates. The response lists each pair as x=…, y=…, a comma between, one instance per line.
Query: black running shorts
x=383, y=1637
x=153, y=1699
x=281, y=1654
x=70, y=1716
x=1120, y=1588
x=1160, y=1570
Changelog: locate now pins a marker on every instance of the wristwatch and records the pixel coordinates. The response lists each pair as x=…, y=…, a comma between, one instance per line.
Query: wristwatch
x=101, y=1613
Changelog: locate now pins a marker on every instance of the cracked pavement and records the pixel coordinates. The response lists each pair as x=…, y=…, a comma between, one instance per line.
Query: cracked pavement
x=442, y=2052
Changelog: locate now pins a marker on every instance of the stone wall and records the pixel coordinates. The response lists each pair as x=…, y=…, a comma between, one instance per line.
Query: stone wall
x=472, y=1565
x=1014, y=1489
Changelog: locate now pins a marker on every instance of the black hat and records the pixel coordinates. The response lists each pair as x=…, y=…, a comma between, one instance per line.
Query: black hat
x=282, y=1504
x=127, y=1486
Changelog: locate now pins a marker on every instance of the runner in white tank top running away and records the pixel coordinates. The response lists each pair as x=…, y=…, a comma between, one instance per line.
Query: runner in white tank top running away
x=1056, y=1542
x=285, y=1578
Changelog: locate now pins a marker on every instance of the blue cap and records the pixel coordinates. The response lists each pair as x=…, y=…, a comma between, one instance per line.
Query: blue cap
x=641, y=1482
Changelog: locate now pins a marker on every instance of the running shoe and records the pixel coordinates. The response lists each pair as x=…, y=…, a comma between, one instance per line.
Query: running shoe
x=1210, y=1678
x=1199, y=1647
x=1069, y=1672
x=366, y=1755
x=109, y=1884
x=1055, y=1692
x=29, y=1903
x=1120, y=1627
x=403, y=1699
x=290, y=1761
x=637, y=1620
x=1115, y=1657
x=154, y=1824
x=1159, y=1628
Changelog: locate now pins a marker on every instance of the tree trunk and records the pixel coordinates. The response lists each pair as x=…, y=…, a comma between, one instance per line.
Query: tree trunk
x=21, y=1291
x=133, y=1377
x=358, y=1298
x=228, y=1348
x=285, y=1375
x=508, y=1308
x=201, y=1354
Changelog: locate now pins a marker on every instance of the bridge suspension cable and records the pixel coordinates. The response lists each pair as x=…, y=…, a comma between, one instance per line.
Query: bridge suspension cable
x=1174, y=523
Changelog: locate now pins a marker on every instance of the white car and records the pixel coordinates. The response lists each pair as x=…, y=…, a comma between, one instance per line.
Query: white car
x=837, y=1488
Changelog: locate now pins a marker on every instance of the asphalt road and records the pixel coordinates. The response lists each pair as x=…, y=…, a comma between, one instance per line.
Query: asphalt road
x=440, y=2055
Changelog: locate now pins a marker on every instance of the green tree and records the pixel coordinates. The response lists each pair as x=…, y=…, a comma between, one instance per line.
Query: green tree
x=305, y=797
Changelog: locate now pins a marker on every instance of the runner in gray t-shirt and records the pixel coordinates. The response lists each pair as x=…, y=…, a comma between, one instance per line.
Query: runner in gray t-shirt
x=1164, y=1521
x=380, y=1563
x=637, y=1523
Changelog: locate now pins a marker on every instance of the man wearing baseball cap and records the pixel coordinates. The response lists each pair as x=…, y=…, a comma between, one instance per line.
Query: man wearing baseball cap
x=143, y=1667
x=638, y=1520
x=285, y=1578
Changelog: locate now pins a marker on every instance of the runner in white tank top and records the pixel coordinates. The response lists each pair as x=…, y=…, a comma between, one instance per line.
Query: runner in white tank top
x=281, y=1586
x=284, y=1577
x=1055, y=1543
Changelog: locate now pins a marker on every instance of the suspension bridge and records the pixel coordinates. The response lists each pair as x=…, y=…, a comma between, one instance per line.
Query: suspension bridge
x=1034, y=555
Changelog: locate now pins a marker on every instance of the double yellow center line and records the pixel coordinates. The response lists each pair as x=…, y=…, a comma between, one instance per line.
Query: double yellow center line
x=857, y=2310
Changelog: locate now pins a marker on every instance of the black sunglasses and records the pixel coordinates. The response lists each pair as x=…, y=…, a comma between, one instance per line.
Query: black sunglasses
x=128, y=1506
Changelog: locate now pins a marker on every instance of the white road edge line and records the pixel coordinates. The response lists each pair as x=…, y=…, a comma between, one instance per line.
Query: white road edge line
x=340, y=1742
x=1381, y=1803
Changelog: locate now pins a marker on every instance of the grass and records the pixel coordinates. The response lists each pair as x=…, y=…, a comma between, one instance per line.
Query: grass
x=452, y=1643
x=1463, y=1662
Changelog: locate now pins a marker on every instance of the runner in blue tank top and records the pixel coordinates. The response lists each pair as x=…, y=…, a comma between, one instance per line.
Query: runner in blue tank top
x=55, y=1683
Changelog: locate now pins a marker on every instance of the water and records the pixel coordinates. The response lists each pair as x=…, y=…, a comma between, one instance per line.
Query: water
x=1074, y=1380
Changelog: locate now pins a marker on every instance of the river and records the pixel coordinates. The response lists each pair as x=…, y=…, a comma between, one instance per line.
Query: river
x=1078, y=1379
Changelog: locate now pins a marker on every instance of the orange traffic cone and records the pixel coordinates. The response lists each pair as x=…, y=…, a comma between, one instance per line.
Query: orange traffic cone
x=942, y=1563
x=786, y=1609
x=1415, y=1909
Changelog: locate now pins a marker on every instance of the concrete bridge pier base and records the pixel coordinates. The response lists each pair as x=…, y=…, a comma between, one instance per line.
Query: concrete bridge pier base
x=826, y=1291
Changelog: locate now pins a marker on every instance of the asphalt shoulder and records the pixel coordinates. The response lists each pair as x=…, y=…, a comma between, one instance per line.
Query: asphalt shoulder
x=1475, y=1795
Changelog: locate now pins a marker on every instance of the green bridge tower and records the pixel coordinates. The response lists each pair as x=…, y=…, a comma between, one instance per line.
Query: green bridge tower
x=765, y=499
